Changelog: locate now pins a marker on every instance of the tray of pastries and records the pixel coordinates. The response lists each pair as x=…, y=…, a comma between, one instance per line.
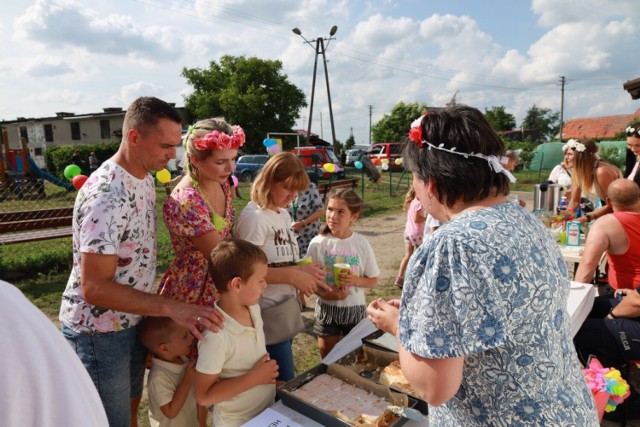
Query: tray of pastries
x=335, y=396
x=381, y=367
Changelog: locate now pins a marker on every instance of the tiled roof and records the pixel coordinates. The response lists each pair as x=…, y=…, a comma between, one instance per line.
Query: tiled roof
x=597, y=127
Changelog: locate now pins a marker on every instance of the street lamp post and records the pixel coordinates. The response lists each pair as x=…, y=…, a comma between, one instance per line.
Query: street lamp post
x=320, y=49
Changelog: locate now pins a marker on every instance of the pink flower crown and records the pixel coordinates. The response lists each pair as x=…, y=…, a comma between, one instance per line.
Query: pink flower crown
x=217, y=140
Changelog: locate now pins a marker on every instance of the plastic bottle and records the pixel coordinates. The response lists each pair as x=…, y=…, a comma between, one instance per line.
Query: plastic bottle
x=562, y=206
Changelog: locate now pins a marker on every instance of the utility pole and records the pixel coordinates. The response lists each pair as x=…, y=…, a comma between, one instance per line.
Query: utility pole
x=322, y=128
x=563, y=81
x=370, y=113
x=320, y=49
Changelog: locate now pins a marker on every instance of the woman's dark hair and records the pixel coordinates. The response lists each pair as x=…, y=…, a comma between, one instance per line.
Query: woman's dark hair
x=456, y=176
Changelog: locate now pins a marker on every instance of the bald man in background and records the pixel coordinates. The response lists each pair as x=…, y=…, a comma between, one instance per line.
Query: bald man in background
x=617, y=234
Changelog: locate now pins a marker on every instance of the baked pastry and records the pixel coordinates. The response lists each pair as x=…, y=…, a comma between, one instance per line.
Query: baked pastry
x=347, y=402
x=392, y=376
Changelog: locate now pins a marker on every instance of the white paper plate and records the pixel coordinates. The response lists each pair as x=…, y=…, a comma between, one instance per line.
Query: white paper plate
x=577, y=286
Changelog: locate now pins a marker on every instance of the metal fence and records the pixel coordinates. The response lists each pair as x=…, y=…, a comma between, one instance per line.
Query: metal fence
x=35, y=224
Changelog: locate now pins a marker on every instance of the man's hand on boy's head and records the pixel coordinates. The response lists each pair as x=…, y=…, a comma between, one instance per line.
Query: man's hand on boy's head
x=194, y=316
x=265, y=370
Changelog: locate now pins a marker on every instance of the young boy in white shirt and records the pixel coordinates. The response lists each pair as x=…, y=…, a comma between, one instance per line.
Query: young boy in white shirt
x=234, y=372
x=172, y=402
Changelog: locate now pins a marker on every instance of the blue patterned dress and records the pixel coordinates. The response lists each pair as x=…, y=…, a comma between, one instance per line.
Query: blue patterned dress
x=491, y=286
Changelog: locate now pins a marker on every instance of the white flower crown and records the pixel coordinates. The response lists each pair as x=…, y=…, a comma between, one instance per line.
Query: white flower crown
x=573, y=143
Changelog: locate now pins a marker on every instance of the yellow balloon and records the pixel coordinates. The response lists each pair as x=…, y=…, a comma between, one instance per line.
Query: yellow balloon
x=163, y=176
x=398, y=161
x=329, y=167
x=385, y=161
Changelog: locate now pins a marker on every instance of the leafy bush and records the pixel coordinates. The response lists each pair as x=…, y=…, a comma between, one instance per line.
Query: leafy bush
x=58, y=157
x=613, y=155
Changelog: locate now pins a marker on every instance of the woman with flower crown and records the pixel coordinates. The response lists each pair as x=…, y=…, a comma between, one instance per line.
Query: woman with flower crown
x=199, y=212
x=633, y=152
x=590, y=178
x=482, y=326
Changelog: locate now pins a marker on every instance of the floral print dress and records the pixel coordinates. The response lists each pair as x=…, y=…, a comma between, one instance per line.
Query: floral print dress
x=187, y=215
x=491, y=286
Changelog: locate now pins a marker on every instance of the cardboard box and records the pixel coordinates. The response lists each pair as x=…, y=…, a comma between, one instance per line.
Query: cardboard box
x=285, y=392
x=369, y=361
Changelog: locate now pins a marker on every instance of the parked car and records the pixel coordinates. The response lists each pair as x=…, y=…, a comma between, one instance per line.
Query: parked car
x=248, y=166
x=353, y=155
x=318, y=156
x=386, y=150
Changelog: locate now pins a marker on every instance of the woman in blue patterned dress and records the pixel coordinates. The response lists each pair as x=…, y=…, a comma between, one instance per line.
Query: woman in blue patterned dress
x=482, y=325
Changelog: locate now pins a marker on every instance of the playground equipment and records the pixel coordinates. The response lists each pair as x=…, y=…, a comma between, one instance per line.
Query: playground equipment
x=19, y=174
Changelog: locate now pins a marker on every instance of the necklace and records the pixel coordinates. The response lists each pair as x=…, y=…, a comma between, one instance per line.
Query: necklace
x=218, y=221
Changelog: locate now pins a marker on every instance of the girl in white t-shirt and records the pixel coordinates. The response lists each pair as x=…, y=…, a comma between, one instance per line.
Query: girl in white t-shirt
x=341, y=308
x=266, y=223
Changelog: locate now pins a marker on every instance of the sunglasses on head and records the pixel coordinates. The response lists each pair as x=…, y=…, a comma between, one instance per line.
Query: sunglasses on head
x=633, y=130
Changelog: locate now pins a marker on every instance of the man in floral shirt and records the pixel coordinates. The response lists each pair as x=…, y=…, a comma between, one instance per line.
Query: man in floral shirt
x=114, y=261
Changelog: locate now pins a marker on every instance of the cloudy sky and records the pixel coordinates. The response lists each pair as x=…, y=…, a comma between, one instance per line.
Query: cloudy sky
x=81, y=56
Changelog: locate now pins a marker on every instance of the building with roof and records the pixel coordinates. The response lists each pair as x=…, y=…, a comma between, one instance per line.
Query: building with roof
x=68, y=129
x=605, y=127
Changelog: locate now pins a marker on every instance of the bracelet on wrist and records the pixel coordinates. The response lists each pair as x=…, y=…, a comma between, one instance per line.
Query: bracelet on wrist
x=612, y=314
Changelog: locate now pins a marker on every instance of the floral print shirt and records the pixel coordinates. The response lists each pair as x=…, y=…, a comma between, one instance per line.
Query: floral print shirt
x=114, y=214
x=308, y=202
x=491, y=286
x=187, y=215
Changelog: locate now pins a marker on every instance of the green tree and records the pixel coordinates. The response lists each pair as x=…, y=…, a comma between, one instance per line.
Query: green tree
x=543, y=119
x=499, y=119
x=349, y=143
x=394, y=127
x=250, y=92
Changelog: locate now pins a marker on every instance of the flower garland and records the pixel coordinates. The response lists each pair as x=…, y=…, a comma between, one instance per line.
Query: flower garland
x=606, y=380
x=495, y=163
x=217, y=140
x=573, y=143
x=633, y=131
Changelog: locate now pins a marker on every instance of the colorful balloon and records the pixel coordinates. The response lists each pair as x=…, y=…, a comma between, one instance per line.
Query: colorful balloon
x=385, y=166
x=163, y=176
x=274, y=149
x=78, y=181
x=71, y=171
x=268, y=142
x=399, y=161
x=384, y=161
x=329, y=167
x=376, y=161
x=358, y=164
x=234, y=180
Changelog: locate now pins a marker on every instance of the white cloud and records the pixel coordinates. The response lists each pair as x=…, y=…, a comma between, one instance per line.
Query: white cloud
x=554, y=12
x=65, y=23
x=384, y=52
x=130, y=92
x=48, y=66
